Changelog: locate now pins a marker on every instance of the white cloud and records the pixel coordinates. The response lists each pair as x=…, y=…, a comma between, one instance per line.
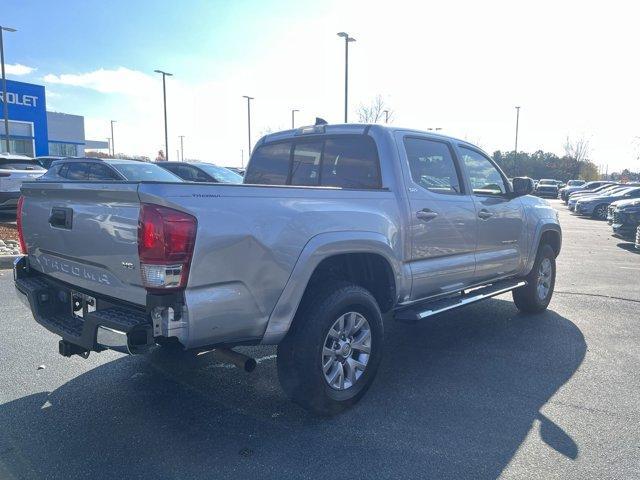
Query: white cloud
x=18, y=69
x=121, y=80
x=435, y=66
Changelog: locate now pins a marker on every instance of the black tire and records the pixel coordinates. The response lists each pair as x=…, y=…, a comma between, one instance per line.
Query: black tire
x=600, y=212
x=300, y=354
x=527, y=298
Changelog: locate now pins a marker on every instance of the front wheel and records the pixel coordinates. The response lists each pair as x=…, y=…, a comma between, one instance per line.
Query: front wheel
x=536, y=295
x=600, y=212
x=331, y=354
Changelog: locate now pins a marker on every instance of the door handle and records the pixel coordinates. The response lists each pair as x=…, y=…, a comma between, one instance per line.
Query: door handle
x=426, y=215
x=485, y=214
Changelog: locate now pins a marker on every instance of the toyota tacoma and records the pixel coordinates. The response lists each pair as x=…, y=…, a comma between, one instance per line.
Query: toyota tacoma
x=334, y=226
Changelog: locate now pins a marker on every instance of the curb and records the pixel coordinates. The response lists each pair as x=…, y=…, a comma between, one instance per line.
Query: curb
x=6, y=261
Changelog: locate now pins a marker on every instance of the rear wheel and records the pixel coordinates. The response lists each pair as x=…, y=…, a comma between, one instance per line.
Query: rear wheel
x=536, y=295
x=331, y=355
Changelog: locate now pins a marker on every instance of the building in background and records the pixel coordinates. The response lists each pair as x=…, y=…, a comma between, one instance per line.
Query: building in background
x=33, y=131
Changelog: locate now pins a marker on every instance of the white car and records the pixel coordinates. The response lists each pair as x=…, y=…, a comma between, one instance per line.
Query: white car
x=14, y=169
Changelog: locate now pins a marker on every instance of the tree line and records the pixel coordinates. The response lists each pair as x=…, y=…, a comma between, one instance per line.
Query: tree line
x=545, y=165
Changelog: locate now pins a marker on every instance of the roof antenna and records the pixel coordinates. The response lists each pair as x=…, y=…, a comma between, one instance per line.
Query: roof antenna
x=321, y=121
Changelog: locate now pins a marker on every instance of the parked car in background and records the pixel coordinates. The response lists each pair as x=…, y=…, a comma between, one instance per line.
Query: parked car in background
x=569, y=189
x=570, y=183
x=106, y=170
x=48, y=160
x=547, y=188
x=239, y=171
x=201, y=172
x=574, y=197
x=14, y=169
x=616, y=204
x=596, y=206
x=626, y=219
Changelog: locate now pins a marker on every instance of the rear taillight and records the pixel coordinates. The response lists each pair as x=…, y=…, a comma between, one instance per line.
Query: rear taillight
x=23, y=245
x=165, y=245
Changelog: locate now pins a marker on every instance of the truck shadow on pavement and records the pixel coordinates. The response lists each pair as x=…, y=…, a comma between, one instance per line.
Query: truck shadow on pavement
x=454, y=398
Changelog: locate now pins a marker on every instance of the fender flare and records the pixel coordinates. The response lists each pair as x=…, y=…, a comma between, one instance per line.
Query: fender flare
x=544, y=225
x=319, y=248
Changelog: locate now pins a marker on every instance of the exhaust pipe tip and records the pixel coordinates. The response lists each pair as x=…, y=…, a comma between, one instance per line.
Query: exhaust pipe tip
x=244, y=362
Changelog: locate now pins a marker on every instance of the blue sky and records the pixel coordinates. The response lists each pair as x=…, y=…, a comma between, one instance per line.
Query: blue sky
x=460, y=65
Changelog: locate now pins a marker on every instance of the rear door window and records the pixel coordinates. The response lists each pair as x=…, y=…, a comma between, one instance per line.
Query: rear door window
x=345, y=161
x=432, y=165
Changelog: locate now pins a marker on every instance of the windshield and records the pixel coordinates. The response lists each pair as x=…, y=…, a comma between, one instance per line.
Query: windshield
x=575, y=183
x=547, y=182
x=140, y=172
x=221, y=174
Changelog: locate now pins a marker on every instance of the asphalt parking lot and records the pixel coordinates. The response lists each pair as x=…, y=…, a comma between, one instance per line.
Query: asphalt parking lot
x=484, y=392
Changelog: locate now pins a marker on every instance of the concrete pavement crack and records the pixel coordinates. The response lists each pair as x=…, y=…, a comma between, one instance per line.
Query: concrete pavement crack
x=597, y=295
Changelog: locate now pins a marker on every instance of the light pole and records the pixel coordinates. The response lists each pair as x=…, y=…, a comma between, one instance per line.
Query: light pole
x=515, y=153
x=347, y=40
x=5, y=103
x=249, y=119
x=181, y=147
x=164, y=98
x=293, y=118
x=113, y=143
x=386, y=116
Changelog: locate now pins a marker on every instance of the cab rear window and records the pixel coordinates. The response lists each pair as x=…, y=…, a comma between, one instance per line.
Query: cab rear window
x=345, y=161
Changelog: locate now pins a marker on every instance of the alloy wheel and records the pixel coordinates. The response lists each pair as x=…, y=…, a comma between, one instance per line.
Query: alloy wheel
x=601, y=212
x=544, y=278
x=346, y=350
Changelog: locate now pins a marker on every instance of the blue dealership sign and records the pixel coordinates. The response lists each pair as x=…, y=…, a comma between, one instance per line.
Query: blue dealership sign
x=27, y=103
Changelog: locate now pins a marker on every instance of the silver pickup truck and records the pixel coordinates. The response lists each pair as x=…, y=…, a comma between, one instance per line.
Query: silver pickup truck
x=334, y=226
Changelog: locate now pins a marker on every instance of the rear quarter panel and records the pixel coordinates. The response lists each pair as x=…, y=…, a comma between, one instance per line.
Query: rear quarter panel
x=249, y=240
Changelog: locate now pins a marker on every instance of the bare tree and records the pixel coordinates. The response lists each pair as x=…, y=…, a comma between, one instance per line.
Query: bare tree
x=636, y=147
x=578, y=148
x=376, y=111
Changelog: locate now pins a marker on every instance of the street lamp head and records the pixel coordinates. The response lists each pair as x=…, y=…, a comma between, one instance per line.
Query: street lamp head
x=164, y=73
x=8, y=29
x=351, y=39
x=295, y=110
x=247, y=97
x=343, y=34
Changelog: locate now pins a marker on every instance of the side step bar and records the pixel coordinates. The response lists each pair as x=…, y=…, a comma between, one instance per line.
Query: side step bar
x=421, y=311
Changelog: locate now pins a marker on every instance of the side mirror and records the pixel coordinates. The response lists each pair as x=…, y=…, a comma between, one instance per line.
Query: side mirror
x=522, y=186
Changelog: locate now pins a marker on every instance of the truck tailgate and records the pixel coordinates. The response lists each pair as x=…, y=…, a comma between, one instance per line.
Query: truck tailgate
x=85, y=234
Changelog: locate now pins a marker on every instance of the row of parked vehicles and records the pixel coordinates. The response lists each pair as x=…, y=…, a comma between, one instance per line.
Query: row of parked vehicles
x=15, y=169
x=617, y=203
